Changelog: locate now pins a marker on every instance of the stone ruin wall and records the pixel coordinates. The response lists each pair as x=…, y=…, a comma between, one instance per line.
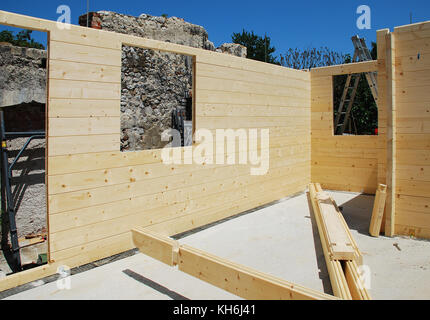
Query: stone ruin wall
x=153, y=83
x=22, y=99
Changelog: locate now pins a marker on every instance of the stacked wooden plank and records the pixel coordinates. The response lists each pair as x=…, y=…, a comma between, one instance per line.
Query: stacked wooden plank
x=341, y=253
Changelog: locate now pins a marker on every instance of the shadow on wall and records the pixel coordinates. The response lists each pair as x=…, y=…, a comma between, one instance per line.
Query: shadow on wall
x=31, y=171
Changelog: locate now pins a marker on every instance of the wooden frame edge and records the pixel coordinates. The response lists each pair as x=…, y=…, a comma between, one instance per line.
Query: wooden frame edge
x=348, y=68
x=234, y=278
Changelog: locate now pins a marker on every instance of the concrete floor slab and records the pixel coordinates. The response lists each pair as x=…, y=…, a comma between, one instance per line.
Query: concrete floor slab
x=281, y=239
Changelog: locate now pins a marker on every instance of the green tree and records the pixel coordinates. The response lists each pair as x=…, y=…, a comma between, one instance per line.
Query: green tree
x=312, y=58
x=22, y=39
x=258, y=48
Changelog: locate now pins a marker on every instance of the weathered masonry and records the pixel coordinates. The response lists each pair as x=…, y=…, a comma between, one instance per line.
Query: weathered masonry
x=96, y=194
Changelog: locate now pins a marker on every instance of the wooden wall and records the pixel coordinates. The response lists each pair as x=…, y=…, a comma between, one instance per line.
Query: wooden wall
x=412, y=129
x=346, y=163
x=97, y=194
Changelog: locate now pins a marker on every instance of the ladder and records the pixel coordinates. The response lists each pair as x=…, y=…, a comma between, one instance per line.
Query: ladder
x=343, y=117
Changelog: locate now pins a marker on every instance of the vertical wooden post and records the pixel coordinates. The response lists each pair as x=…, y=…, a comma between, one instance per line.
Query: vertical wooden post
x=378, y=211
x=391, y=134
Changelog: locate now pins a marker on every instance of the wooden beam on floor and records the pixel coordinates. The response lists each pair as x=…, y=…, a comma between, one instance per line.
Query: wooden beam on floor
x=161, y=248
x=355, y=282
x=378, y=211
x=327, y=206
x=337, y=277
x=339, y=244
x=23, y=277
x=234, y=278
x=344, y=273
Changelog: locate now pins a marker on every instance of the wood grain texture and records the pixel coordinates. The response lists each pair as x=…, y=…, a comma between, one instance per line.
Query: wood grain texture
x=232, y=277
x=337, y=157
x=378, y=211
x=95, y=192
x=411, y=135
x=231, y=92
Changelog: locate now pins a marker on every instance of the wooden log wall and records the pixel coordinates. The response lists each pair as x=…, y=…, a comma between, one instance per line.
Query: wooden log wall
x=411, y=112
x=97, y=194
x=346, y=163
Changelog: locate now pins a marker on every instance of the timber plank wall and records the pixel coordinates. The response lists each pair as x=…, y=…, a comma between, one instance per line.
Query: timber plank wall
x=346, y=163
x=400, y=155
x=412, y=130
x=97, y=194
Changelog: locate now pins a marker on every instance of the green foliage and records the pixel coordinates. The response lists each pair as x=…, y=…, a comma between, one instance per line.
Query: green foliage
x=364, y=110
x=22, y=39
x=258, y=48
x=165, y=15
x=312, y=58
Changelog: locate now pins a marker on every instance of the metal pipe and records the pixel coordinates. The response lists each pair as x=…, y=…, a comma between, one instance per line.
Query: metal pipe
x=20, y=153
x=9, y=201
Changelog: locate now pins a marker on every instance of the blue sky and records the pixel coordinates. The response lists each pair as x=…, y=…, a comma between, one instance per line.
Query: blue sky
x=293, y=24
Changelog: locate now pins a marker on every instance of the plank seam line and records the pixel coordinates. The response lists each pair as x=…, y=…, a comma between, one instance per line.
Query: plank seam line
x=99, y=99
x=284, y=146
x=85, y=81
x=301, y=163
x=89, y=45
x=83, y=62
x=156, y=192
x=91, y=63
x=260, y=72
x=267, y=83
x=258, y=200
x=108, y=151
x=160, y=162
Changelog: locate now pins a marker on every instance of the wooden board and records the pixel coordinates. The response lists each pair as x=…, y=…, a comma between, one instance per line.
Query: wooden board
x=344, y=273
x=378, y=211
x=83, y=136
x=355, y=282
x=409, y=149
x=391, y=135
x=350, y=68
x=334, y=267
x=84, y=162
x=158, y=247
x=338, y=240
x=234, y=278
